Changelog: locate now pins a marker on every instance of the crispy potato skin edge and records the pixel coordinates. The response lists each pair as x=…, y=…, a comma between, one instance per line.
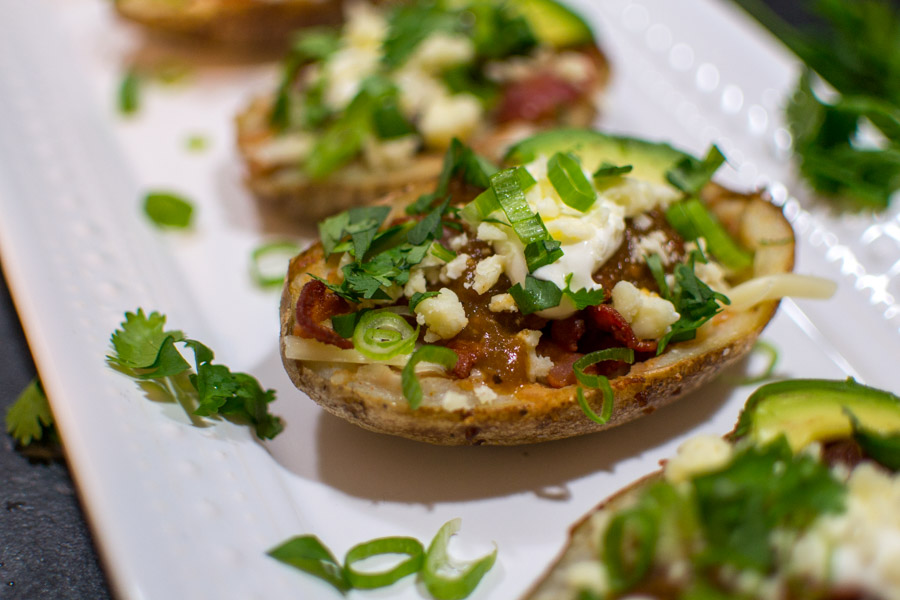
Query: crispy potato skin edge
x=542, y=413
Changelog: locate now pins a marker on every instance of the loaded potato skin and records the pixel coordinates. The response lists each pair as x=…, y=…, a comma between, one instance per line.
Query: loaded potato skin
x=514, y=380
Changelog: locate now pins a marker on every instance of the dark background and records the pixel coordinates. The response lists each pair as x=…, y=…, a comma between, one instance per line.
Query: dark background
x=45, y=545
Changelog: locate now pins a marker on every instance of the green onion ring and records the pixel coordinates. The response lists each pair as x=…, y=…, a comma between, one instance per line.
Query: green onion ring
x=443, y=587
x=598, y=381
x=383, y=334
x=389, y=545
x=644, y=529
x=412, y=389
x=259, y=274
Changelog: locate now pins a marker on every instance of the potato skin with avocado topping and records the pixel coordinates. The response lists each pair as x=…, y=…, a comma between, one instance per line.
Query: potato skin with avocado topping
x=831, y=474
x=370, y=395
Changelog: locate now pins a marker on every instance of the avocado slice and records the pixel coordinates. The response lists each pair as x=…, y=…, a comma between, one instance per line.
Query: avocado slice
x=810, y=410
x=554, y=23
x=650, y=160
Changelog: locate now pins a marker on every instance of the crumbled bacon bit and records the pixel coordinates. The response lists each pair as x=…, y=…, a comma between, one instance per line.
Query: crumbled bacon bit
x=609, y=319
x=536, y=98
x=568, y=332
x=317, y=303
x=467, y=351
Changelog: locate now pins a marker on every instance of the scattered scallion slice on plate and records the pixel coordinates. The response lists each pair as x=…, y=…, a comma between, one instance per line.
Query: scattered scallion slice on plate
x=167, y=209
x=269, y=262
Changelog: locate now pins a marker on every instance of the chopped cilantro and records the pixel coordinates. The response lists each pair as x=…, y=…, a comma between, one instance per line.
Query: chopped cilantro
x=418, y=297
x=536, y=295
x=129, y=92
x=143, y=349
x=29, y=418
x=762, y=489
x=584, y=297
x=690, y=174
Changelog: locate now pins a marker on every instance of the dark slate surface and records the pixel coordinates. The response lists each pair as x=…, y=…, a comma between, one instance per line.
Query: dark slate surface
x=45, y=546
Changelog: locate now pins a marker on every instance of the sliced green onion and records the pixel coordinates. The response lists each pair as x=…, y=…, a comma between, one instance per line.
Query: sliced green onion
x=536, y=295
x=485, y=203
x=389, y=545
x=345, y=325
x=607, y=170
x=690, y=174
x=654, y=263
x=268, y=263
x=437, y=560
x=412, y=389
x=772, y=353
x=168, y=210
x=129, y=93
x=307, y=553
x=628, y=547
x=196, y=142
x=441, y=252
x=382, y=334
x=692, y=220
x=569, y=181
x=388, y=121
x=599, y=381
x=542, y=252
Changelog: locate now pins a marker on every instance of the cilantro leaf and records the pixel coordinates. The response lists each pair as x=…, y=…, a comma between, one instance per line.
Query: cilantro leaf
x=29, y=418
x=695, y=301
x=137, y=344
x=536, y=295
x=760, y=490
x=145, y=350
x=690, y=174
x=429, y=227
x=419, y=296
x=584, y=297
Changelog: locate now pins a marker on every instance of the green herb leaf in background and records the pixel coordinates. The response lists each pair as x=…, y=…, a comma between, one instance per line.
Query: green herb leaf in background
x=29, y=418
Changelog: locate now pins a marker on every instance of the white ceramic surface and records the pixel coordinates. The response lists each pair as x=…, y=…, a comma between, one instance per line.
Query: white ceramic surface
x=187, y=511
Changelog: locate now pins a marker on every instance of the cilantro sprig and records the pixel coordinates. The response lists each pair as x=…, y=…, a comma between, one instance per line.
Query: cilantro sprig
x=856, y=50
x=695, y=301
x=145, y=350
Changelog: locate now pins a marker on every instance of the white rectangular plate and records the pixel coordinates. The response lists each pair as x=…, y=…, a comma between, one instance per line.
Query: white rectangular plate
x=182, y=510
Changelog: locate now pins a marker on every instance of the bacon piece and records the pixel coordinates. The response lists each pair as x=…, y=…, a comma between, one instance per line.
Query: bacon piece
x=467, y=351
x=317, y=303
x=609, y=319
x=536, y=98
x=567, y=332
x=561, y=373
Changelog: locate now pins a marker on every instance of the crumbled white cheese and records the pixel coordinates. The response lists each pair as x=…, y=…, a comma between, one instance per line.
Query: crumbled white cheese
x=488, y=232
x=712, y=274
x=698, y=455
x=538, y=366
x=358, y=57
x=487, y=272
x=416, y=283
x=652, y=243
x=452, y=400
x=642, y=222
x=448, y=117
x=503, y=303
x=391, y=154
x=860, y=548
x=484, y=394
x=456, y=267
x=457, y=242
x=443, y=314
x=637, y=196
x=573, y=67
x=587, y=575
x=648, y=314
x=441, y=50
x=365, y=25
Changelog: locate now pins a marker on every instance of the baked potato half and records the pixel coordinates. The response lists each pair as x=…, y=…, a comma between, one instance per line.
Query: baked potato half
x=234, y=22
x=796, y=503
x=526, y=330
x=370, y=108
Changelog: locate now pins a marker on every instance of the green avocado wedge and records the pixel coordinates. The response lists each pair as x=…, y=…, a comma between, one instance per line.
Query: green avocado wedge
x=649, y=160
x=815, y=410
x=553, y=23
